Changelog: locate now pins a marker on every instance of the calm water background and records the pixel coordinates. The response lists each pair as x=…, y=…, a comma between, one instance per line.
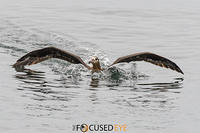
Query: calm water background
x=59, y=94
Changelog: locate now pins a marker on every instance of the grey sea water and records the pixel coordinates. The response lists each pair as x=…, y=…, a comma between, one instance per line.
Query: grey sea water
x=57, y=94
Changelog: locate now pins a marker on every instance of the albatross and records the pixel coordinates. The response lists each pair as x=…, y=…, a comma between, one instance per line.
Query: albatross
x=43, y=54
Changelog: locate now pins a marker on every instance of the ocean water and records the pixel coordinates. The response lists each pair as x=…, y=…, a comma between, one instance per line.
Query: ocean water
x=55, y=95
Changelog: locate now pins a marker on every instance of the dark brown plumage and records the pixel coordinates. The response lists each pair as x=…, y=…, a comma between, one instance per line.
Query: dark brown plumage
x=149, y=57
x=40, y=55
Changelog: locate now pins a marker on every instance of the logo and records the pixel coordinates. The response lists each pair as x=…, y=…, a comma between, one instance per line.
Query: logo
x=99, y=127
x=84, y=127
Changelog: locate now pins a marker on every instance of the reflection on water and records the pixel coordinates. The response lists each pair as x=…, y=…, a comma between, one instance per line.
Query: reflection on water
x=94, y=83
x=36, y=81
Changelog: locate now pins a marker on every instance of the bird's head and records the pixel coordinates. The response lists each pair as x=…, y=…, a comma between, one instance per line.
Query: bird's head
x=94, y=60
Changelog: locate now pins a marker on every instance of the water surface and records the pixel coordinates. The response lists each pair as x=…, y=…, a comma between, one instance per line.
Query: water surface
x=54, y=95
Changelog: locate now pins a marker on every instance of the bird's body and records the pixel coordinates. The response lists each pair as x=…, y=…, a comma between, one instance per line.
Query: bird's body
x=40, y=55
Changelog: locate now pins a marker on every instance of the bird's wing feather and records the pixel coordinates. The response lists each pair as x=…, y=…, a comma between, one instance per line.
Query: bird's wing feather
x=149, y=57
x=40, y=55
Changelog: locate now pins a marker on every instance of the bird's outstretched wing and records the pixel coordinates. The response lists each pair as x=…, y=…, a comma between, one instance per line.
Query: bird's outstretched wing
x=150, y=57
x=40, y=55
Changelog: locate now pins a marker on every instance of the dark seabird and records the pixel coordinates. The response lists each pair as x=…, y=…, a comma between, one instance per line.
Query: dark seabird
x=43, y=54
